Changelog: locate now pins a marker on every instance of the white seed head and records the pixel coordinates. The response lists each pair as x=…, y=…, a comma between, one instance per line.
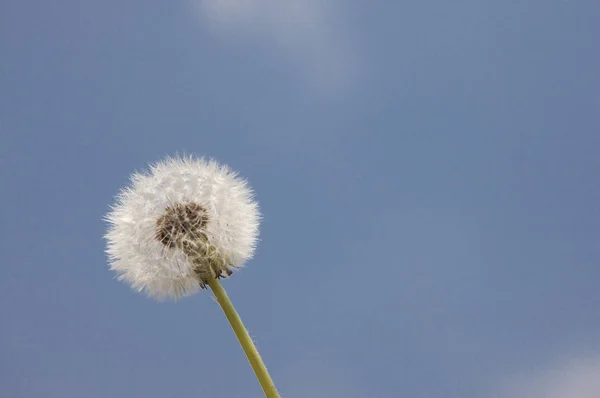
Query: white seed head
x=181, y=223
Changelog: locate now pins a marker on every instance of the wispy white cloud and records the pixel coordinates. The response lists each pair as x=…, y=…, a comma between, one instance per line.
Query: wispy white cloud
x=576, y=377
x=309, y=32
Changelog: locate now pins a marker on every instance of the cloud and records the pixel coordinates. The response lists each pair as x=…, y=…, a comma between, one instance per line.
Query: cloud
x=571, y=378
x=308, y=32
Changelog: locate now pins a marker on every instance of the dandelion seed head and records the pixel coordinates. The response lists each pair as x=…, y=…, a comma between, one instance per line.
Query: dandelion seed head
x=180, y=223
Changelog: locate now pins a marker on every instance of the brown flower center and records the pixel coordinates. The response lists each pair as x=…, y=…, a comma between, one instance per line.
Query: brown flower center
x=181, y=222
x=183, y=226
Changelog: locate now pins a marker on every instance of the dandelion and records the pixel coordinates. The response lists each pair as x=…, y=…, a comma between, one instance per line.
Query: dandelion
x=181, y=227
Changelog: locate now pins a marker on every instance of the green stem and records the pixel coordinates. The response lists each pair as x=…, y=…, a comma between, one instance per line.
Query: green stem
x=247, y=344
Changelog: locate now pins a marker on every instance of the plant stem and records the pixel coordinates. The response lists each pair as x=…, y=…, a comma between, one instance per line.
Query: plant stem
x=246, y=342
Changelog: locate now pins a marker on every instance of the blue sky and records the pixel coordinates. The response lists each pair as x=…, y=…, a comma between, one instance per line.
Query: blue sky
x=427, y=171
